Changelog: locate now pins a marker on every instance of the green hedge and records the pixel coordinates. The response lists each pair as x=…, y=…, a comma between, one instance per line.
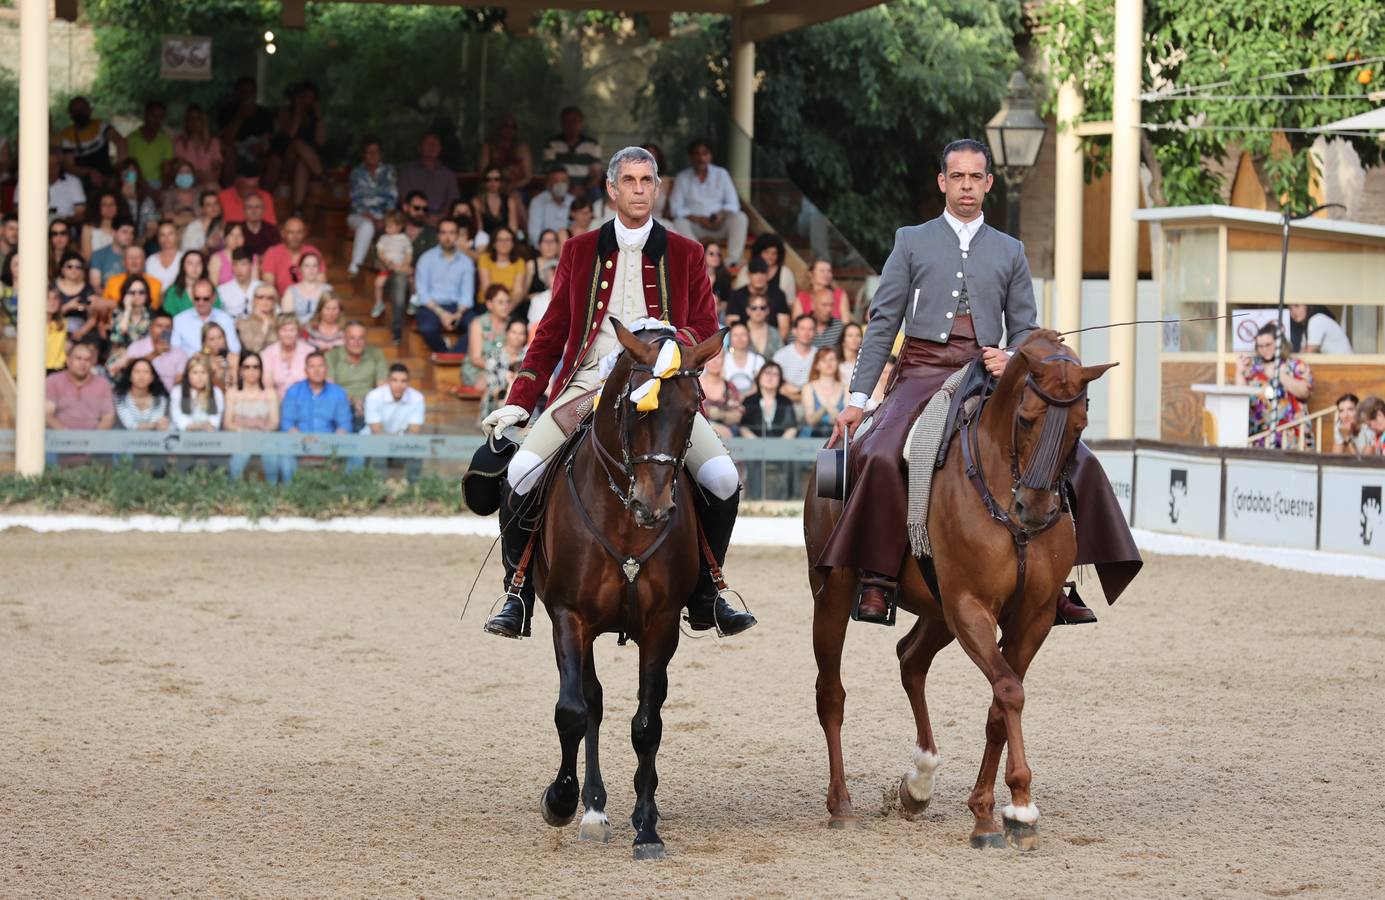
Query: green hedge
x=317, y=493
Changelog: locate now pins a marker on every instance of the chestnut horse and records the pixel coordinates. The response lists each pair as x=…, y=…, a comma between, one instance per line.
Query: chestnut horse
x=1003, y=543
x=619, y=552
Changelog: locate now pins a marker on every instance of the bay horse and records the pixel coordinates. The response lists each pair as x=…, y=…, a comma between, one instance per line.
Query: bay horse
x=618, y=551
x=1003, y=544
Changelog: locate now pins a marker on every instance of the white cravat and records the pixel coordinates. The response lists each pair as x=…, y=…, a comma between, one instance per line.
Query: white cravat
x=633, y=237
x=965, y=230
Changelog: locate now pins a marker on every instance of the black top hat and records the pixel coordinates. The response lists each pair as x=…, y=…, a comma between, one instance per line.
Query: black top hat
x=483, y=479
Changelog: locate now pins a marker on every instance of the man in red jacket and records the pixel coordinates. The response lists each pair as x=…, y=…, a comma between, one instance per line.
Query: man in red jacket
x=634, y=269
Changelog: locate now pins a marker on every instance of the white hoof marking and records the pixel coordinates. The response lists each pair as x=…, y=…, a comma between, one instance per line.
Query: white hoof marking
x=920, y=778
x=595, y=827
x=1025, y=814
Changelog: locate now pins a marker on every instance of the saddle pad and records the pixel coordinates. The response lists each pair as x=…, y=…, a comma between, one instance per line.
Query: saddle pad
x=568, y=416
x=921, y=454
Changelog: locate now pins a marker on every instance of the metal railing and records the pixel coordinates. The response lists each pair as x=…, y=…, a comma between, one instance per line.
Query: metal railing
x=1301, y=441
x=772, y=468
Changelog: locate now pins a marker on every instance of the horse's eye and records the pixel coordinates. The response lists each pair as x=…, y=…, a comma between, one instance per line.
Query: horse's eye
x=1026, y=424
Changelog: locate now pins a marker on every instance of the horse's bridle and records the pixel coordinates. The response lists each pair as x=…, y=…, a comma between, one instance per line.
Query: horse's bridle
x=1045, y=469
x=627, y=463
x=1045, y=466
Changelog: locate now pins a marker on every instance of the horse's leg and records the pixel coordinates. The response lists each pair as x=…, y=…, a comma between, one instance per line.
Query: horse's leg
x=1021, y=817
x=572, y=647
x=916, y=651
x=831, y=613
x=656, y=649
x=595, y=825
x=975, y=626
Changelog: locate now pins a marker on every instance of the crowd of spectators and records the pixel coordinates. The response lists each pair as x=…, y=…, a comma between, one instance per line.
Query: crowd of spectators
x=177, y=302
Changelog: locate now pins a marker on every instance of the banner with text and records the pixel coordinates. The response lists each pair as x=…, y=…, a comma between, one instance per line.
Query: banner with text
x=1119, y=466
x=1272, y=503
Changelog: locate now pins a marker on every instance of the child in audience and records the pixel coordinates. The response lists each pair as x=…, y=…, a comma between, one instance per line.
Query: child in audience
x=395, y=251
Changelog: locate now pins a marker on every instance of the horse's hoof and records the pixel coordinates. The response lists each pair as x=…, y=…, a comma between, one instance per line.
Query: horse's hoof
x=649, y=851
x=843, y=823
x=994, y=841
x=551, y=817
x=1023, y=836
x=595, y=828
x=907, y=804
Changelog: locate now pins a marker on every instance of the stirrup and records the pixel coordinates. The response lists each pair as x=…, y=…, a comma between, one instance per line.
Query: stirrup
x=502, y=601
x=723, y=595
x=891, y=590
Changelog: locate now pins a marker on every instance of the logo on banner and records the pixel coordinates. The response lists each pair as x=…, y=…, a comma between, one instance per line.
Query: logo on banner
x=171, y=442
x=1370, y=513
x=1178, y=493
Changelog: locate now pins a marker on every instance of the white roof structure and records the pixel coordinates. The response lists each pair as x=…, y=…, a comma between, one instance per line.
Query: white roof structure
x=1262, y=220
x=1370, y=121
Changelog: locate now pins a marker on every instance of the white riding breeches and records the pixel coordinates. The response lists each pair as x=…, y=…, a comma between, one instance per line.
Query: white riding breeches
x=707, y=458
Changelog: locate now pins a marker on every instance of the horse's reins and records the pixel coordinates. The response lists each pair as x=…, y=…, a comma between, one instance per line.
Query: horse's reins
x=626, y=464
x=1042, y=473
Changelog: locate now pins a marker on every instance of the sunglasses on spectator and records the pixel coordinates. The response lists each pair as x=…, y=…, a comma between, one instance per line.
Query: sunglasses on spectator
x=202, y=298
x=418, y=209
x=759, y=308
x=138, y=290
x=72, y=265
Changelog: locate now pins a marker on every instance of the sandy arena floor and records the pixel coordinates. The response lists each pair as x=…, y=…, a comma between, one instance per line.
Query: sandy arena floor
x=305, y=715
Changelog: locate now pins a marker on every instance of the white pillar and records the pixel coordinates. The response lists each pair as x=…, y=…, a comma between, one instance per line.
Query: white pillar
x=33, y=234
x=1067, y=215
x=742, y=104
x=1125, y=186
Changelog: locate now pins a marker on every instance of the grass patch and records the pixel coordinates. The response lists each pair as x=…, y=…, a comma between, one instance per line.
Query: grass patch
x=318, y=493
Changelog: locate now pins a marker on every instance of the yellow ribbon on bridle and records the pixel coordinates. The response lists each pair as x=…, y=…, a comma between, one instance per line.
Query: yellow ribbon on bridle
x=670, y=360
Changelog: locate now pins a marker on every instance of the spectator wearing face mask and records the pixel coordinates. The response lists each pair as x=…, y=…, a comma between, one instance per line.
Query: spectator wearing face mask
x=549, y=210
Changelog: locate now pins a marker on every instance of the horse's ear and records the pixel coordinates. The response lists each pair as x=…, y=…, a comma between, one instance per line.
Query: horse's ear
x=642, y=352
x=1092, y=373
x=697, y=357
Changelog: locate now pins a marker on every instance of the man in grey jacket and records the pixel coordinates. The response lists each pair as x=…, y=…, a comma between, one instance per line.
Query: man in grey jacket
x=958, y=287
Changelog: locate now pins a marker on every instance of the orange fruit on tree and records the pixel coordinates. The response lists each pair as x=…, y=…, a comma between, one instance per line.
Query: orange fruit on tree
x=1365, y=76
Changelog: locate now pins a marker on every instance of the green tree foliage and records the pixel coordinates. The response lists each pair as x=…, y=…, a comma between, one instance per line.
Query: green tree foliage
x=857, y=108
x=1234, y=43
x=394, y=70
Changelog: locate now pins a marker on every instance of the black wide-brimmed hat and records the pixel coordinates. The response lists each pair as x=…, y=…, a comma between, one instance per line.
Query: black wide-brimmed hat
x=482, y=481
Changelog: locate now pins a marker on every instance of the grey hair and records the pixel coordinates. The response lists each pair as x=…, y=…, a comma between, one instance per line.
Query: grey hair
x=631, y=155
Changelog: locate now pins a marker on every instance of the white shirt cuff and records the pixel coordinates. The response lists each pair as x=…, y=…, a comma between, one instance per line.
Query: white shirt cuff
x=858, y=399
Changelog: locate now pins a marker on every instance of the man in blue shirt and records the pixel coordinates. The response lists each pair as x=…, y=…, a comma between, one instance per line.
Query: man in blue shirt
x=445, y=281
x=314, y=406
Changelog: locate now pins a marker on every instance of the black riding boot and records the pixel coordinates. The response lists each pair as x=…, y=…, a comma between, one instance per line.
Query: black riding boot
x=706, y=607
x=513, y=619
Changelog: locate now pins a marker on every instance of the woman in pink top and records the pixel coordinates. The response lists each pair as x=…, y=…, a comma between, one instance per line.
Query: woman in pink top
x=820, y=284
x=285, y=360
x=196, y=145
x=219, y=266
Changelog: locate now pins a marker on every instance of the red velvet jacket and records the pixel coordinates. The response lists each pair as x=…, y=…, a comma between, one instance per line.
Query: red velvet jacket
x=676, y=290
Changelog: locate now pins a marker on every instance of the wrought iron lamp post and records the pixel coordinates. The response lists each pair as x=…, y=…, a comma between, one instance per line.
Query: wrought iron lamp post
x=1015, y=134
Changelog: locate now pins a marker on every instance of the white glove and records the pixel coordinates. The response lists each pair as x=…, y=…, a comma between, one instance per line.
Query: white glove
x=503, y=418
